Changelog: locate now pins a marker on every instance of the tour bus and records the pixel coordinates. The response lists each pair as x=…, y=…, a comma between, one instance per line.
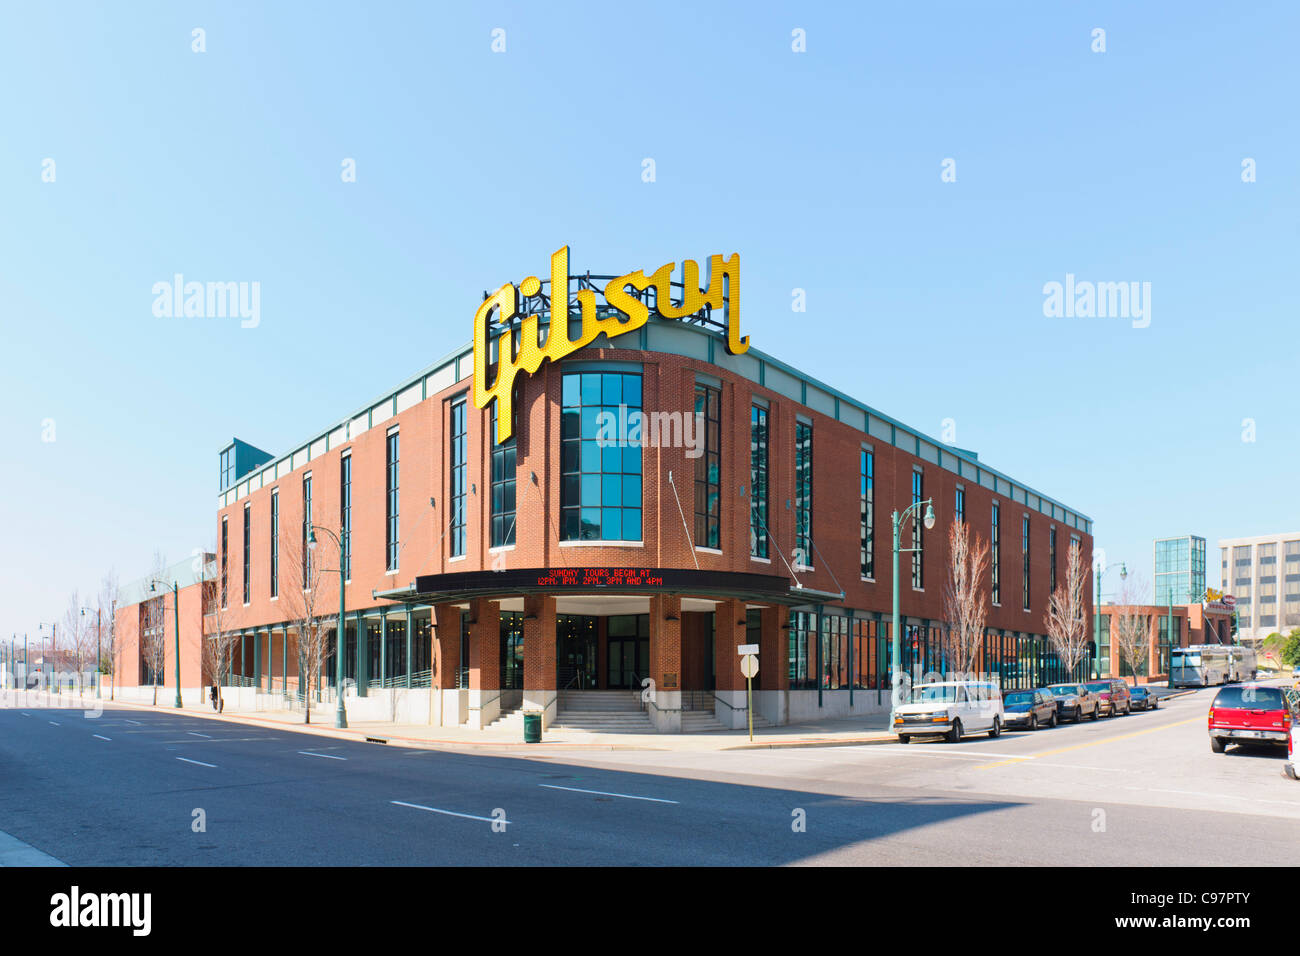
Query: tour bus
x=1243, y=663
x=1202, y=665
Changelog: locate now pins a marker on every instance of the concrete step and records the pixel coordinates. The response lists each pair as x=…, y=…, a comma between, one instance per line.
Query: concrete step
x=606, y=722
x=618, y=702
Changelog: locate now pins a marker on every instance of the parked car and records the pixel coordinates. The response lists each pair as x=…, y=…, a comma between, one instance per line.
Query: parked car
x=1250, y=713
x=1143, y=699
x=1030, y=709
x=1289, y=767
x=1074, y=702
x=951, y=708
x=1114, y=696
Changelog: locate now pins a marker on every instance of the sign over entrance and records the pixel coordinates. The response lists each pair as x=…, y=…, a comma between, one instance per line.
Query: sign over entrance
x=625, y=312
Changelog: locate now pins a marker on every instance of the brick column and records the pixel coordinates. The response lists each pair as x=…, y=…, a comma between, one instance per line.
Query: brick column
x=541, y=676
x=773, y=683
x=729, y=634
x=666, y=662
x=484, y=662
x=446, y=662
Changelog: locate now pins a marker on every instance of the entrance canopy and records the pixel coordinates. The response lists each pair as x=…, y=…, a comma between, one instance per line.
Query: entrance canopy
x=466, y=585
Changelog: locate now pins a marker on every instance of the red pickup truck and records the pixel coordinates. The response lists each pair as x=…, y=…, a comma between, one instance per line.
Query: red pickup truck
x=1250, y=713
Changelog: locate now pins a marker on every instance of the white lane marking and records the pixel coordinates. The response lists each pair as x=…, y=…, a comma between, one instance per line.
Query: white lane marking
x=603, y=793
x=308, y=753
x=450, y=813
x=101, y=737
x=195, y=733
x=56, y=723
x=199, y=762
x=26, y=715
x=130, y=721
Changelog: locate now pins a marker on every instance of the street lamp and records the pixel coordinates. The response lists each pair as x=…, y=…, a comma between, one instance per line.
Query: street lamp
x=896, y=679
x=1096, y=612
x=176, y=600
x=340, y=640
x=99, y=623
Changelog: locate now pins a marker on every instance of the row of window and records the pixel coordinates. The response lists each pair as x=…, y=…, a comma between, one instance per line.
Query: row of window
x=602, y=431
x=855, y=653
x=345, y=527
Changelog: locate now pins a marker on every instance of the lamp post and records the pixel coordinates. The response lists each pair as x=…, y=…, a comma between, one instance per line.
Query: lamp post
x=1096, y=613
x=340, y=639
x=176, y=616
x=896, y=648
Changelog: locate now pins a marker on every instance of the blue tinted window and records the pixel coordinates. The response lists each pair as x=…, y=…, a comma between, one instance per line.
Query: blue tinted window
x=600, y=491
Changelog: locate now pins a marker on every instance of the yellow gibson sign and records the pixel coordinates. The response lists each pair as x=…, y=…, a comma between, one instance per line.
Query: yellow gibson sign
x=632, y=313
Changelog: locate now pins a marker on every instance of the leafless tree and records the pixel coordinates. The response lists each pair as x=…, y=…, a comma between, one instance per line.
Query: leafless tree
x=1067, y=631
x=80, y=634
x=108, y=596
x=1132, y=628
x=219, y=638
x=307, y=609
x=153, y=635
x=965, y=598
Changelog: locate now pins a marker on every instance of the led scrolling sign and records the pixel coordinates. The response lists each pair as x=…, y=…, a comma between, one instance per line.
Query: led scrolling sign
x=627, y=312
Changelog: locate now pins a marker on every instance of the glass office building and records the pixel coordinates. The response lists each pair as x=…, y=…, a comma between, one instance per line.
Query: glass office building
x=1179, y=566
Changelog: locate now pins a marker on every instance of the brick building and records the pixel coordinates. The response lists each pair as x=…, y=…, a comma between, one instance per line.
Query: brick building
x=1193, y=624
x=563, y=571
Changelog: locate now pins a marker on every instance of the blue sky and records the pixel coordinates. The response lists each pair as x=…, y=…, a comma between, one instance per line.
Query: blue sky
x=822, y=169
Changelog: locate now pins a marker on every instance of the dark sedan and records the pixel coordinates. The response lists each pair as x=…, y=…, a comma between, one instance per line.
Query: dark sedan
x=1030, y=709
x=1143, y=699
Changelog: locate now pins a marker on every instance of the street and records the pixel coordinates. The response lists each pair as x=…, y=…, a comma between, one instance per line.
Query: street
x=133, y=786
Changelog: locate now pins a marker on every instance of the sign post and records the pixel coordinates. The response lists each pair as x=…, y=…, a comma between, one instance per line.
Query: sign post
x=749, y=667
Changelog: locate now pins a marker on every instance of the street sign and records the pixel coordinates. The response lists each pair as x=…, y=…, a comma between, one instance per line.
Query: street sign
x=744, y=649
x=749, y=665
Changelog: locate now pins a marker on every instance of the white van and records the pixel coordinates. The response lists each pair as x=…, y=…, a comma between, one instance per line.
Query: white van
x=951, y=708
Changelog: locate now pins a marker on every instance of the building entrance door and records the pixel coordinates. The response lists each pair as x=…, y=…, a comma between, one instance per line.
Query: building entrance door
x=628, y=650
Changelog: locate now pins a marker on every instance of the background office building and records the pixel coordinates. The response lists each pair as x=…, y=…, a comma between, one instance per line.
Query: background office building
x=558, y=572
x=1179, y=570
x=1263, y=574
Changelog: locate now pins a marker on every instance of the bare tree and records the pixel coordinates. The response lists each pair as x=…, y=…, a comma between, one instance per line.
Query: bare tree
x=965, y=599
x=153, y=635
x=1066, y=628
x=80, y=633
x=306, y=596
x=1132, y=628
x=219, y=638
x=108, y=596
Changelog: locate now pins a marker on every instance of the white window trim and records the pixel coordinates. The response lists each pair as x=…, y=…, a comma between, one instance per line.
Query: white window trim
x=708, y=550
x=754, y=557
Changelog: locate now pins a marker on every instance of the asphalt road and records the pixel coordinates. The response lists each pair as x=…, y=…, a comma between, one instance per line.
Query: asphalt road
x=124, y=788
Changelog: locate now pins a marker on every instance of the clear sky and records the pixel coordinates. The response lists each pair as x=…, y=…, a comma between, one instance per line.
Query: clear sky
x=823, y=169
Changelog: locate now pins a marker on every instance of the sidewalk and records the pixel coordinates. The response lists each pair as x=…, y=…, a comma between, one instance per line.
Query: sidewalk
x=849, y=732
x=829, y=733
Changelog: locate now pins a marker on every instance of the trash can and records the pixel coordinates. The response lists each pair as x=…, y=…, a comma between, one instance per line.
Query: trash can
x=532, y=728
